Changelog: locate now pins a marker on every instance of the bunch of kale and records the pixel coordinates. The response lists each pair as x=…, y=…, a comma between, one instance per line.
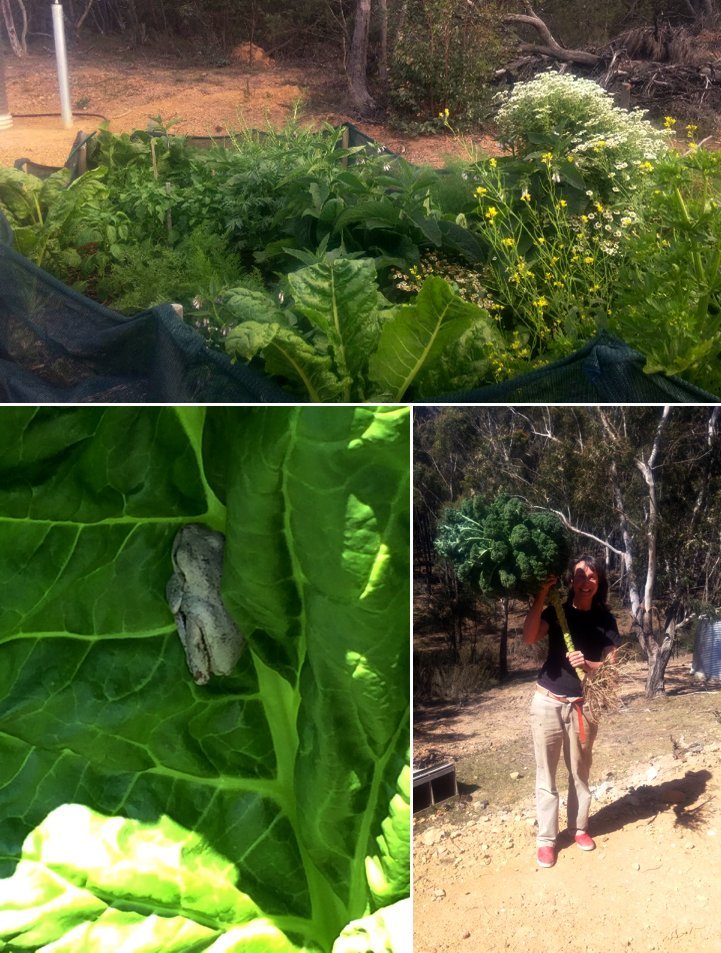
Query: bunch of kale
x=502, y=547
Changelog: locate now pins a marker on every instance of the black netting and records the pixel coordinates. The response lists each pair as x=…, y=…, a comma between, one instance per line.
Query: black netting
x=59, y=346
x=605, y=371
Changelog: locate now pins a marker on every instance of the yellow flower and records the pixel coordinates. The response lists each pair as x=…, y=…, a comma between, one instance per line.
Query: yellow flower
x=646, y=167
x=541, y=302
x=547, y=157
x=690, y=130
x=540, y=240
x=491, y=213
x=444, y=115
x=584, y=218
x=480, y=191
x=588, y=260
x=570, y=158
x=492, y=163
x=668, y=122
x=562, y=203
x=509, y=242
x=599, y=207
x=525, y=196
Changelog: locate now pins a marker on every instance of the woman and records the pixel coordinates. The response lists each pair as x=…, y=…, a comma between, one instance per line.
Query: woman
x=557, y=717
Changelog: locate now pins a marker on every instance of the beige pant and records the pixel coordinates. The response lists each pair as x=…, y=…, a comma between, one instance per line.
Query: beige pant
x=555, y=728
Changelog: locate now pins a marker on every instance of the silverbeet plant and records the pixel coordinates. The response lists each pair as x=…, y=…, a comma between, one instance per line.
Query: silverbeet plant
x=341, y=340
x=267, y=810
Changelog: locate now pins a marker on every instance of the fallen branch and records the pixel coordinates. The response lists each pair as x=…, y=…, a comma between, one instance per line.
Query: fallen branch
x=550, y=46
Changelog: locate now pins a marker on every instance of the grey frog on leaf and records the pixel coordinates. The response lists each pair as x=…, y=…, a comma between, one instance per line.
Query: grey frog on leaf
x=211, y=639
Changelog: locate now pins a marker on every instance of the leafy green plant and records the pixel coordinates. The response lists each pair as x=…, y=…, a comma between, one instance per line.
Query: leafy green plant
x=69, y=228
x=444, y=56
x=502, y=547
x=668, y=296
x=339, y=339
x=193, y=272
x=266, y=810
x=376, y=207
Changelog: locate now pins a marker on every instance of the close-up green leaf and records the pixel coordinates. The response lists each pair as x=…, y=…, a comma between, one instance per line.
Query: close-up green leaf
x=150, y=803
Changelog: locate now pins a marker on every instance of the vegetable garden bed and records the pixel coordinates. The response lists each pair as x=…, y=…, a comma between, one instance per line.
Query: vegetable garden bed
x=571, y=271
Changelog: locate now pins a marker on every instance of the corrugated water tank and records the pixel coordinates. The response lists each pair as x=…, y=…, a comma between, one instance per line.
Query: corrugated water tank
x=707, y=650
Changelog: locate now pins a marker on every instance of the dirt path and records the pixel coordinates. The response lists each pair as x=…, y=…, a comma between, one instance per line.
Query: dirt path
x=654, y=881
x=128, y=86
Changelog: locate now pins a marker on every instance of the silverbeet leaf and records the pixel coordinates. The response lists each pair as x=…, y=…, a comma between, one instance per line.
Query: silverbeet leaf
x=279, y=784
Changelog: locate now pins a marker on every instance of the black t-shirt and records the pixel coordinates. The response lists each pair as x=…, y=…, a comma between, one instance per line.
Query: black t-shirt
x=592, y=631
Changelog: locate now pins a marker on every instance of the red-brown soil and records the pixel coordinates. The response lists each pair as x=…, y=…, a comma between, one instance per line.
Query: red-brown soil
x=129, y=86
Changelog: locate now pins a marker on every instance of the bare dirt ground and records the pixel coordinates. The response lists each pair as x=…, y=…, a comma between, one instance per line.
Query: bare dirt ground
x=129, y=86
x=654, y=881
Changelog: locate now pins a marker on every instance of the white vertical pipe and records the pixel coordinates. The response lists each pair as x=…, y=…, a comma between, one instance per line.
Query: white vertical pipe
x=6, y=120
x=62, y=61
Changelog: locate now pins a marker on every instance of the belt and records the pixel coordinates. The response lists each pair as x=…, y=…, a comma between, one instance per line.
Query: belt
x=576, y=701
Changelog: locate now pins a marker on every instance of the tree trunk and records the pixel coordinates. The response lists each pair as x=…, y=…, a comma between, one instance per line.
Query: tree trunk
x=655, y=679
x=18, y=43
x=383, y=53
x=360, y=98
x=503, y=649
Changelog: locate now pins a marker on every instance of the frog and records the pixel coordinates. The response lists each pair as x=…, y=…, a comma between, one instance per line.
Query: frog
x=212, y=641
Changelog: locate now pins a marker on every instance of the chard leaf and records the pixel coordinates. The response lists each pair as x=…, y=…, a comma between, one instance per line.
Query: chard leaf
x=373, y=214
x=385, y=931
x=428, y=226
x=68, y=203
x=19, y=193
x=245, y=304
x=85, y=880
x=275, y=782
x=464, y=364
x=340, y=297
x=287, y=354
x=53, y=186
x=414, y=341
x=335, y=564
x=388, y=872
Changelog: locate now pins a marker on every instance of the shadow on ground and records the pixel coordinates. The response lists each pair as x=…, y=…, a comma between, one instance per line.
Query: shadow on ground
x=645, y=802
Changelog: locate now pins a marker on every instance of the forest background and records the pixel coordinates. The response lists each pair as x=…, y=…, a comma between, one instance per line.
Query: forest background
x=412, y=58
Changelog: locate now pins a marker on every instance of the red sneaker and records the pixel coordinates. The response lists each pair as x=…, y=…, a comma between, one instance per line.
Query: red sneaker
x=584, y=841
x=546, y=856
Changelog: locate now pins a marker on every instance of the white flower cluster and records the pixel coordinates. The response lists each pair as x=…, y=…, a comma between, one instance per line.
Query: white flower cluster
x=579, y=116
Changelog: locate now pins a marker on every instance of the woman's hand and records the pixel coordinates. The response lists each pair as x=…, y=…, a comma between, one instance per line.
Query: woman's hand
x=548, y=585
x=577, y=660
x=535, y=628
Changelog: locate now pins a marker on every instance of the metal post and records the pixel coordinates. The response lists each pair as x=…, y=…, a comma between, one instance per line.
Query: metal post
x=62, y=61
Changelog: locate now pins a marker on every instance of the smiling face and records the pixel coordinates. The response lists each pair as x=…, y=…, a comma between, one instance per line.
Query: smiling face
x=585, y=585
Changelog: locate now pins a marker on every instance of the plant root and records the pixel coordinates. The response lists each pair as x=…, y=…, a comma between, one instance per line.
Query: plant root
x=601, y=689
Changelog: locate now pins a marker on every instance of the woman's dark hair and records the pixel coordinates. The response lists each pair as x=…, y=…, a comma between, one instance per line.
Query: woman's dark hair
x=599, y=600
